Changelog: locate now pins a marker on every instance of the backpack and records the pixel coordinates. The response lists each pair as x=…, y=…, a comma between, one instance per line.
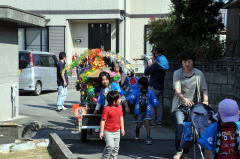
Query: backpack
x=163, y=62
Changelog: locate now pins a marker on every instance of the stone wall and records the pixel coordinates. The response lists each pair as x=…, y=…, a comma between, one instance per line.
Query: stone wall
x=223, y=79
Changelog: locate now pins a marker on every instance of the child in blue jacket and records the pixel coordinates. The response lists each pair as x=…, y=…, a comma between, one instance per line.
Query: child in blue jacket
x=221, y=139
x=107, y=86
x=144, y=99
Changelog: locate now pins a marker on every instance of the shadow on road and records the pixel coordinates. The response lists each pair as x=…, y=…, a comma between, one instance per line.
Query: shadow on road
x=27, y=93
x=61, y=124
x=41, y=106
x=129, y=148
x=72, y=102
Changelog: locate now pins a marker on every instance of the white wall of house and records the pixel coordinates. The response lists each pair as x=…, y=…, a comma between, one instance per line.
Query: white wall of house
x=69, y=40
x=142, y=10
x=64, y=4
x=149, y=6
x=78, y=29
x=137, y=41
x=72, y=13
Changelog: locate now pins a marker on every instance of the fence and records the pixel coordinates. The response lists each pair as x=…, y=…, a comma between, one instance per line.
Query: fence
x=223, y=79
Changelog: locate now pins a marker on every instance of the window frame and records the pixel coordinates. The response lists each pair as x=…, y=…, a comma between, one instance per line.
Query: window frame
x=145, y=39
x=41, y=38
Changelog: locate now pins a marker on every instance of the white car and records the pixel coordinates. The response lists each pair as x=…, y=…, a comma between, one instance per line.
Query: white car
x=38, y=71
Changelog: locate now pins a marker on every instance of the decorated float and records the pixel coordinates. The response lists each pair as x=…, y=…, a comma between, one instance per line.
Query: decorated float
x=89, y=65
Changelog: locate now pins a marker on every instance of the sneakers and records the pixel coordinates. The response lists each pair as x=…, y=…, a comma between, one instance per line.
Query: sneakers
x=178, y=155
x=148, y=141
x=153, y=124
x=64, y=108
x=60, y=108
x=159, y=123
x=185, y=157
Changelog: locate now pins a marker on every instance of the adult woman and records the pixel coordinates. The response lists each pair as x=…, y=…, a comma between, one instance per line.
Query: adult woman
x=190, y=88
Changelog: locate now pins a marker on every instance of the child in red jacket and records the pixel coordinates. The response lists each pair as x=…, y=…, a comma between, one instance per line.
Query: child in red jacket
x=112, y=125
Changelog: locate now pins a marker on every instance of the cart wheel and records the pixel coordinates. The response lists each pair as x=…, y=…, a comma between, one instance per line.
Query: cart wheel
x=84, y=135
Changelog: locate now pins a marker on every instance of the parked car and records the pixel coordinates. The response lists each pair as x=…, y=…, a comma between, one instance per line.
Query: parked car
x=38, y=71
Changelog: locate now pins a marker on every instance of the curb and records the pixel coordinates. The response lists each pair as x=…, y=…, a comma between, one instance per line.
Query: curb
x=21, y=145
x=57, y=148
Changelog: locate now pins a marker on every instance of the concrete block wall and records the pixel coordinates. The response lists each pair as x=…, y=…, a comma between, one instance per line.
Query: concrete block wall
x=222, y=78
x=8, y=70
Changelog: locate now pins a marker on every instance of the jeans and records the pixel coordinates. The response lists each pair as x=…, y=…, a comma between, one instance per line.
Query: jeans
x=157, y=112
x=112, y=140
x=62, y=94
x=178, y=118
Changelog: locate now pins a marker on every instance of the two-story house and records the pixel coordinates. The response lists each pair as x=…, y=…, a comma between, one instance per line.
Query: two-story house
x=76, y=25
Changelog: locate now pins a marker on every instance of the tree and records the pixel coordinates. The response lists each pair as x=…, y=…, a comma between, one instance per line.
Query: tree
x=192, y=25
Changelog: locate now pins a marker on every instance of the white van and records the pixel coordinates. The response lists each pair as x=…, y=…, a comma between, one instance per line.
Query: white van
x=38, y=71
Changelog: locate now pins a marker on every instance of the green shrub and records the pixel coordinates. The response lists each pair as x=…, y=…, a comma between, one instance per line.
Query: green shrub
x=191, y=26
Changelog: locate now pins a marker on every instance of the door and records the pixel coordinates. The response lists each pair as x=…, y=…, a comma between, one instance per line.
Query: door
x=38, y=70
x=44, y=72
x=25, y=70
x=99, y=36
x=53, y=72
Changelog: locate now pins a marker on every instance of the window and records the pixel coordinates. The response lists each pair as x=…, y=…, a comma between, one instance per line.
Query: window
x=21, y=39
x=23, y=60
x=55, y=59
x=147, y=45
x=44, y=41
x=33, y=38
x=52, y=62
x=44, y=61
x=36, y=60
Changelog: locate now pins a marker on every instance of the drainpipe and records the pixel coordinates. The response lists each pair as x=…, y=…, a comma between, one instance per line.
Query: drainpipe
x=13, y=99
x=125, y=26
x=117, y=36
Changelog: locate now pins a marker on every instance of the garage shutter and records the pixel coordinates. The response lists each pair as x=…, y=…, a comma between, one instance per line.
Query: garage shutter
x=56, y=39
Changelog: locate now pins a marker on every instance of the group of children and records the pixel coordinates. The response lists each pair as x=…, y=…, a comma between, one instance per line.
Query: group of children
x=221, y=140
x=113, y=101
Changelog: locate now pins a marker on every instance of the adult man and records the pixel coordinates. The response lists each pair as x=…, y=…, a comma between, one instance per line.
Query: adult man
x=62, y=81
x=156, y=70
x=190, y=88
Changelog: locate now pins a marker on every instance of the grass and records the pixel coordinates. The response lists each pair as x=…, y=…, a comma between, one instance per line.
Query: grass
x=39, y=153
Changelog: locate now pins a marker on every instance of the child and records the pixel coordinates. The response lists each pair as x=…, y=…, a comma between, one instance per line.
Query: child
x=221, y=139
x=111, y=124
x=115, y=72
x=144, y=99
x=132, y=84
x=107, y=86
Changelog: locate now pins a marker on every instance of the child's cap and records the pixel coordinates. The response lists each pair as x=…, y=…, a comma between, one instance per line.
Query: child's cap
x=228, y=110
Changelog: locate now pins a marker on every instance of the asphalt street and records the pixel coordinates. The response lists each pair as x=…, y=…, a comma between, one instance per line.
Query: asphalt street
x=42, y=109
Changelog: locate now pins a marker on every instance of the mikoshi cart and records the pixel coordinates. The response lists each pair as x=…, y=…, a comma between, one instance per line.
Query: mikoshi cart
x=90, y=65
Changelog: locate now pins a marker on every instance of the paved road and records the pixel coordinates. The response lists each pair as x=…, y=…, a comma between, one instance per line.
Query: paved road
x=42, y=108
x=129, y=149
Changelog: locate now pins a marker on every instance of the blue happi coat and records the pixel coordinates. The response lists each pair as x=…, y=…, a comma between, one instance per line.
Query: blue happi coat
x=134, y=97
x=209, y=138
x=132, y=86
x=101, y=98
